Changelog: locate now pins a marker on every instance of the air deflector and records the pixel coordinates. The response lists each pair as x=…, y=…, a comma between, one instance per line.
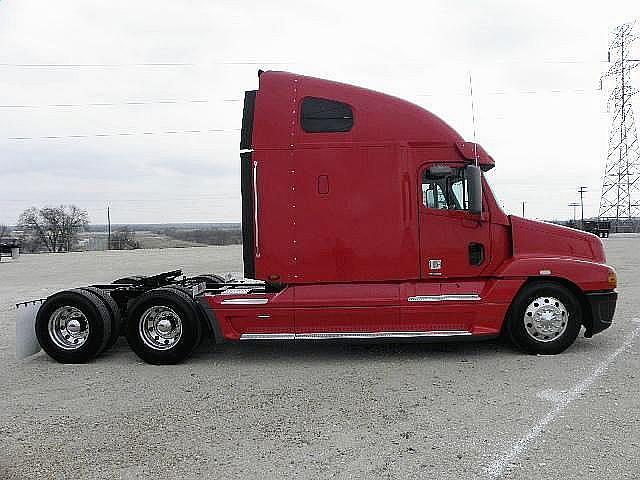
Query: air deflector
x=246, y=184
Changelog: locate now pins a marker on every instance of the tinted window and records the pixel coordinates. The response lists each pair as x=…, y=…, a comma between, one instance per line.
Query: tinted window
x=322, y=115
x=448, y=192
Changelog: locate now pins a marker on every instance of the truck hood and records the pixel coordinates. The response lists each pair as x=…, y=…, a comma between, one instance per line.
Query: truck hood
x=546, y=239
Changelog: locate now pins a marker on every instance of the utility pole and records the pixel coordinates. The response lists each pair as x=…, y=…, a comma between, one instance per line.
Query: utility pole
x=523, y=203
x=620, y=199
x=108, y=228
x=581, y=191
x=574, y=205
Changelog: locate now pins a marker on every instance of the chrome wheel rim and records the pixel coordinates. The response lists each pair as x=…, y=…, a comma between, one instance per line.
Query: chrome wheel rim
x=68, y=328
x=546, y=319
x=160, y=327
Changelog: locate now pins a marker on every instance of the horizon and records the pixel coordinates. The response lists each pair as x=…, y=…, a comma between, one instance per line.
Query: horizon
x=143, y=113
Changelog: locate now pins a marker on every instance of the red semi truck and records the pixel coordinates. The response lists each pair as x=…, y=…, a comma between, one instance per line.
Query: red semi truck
x=364, y=217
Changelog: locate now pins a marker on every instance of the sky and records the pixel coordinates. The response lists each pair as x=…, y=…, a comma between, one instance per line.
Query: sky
x=144, y=98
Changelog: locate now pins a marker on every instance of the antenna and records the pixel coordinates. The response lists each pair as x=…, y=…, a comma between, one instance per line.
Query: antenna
x=473, y=120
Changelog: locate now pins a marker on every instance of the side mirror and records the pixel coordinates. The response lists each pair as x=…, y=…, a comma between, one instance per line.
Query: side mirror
x=474, y=188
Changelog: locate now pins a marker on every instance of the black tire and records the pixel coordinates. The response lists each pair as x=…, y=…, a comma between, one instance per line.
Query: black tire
x=131, y=279
x=114, y=313
x=97, y=318
x=177, y=303
x=524, y=333
x=205, y=327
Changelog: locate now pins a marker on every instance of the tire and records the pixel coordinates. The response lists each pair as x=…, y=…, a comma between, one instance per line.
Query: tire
x=164, y=326
x=64, y=318
x=114, y=313
x=545, y=318
x=205, y=328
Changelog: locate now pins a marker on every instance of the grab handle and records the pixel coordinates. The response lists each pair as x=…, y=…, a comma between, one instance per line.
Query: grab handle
x=255, y=205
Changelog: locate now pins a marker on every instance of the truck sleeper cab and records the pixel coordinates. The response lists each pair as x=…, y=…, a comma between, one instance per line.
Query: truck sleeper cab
x=364, y=217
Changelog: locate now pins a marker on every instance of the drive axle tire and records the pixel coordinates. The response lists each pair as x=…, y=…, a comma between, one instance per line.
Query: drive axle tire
x=545, y=318
x=164, y=326
x=114, y=313
x=73, y=326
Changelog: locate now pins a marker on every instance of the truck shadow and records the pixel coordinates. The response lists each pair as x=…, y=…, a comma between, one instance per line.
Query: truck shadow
x=311, y=351
x=345, y=351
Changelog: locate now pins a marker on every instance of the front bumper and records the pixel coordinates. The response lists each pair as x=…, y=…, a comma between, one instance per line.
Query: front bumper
x=603, y=306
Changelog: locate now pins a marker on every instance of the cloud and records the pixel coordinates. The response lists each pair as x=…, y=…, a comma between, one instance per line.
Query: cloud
x=418, y=50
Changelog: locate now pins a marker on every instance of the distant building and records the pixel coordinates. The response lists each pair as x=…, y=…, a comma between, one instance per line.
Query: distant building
x=9, y=247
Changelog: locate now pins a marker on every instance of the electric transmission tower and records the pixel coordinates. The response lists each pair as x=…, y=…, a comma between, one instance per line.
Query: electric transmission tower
x=620, y=200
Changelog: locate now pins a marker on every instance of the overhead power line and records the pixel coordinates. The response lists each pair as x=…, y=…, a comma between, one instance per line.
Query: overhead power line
x=125, y=103
x=421, y=62
x=126, y=134
x=553, y=91
x=146, y=200
x=136, y=65
x=237, y=100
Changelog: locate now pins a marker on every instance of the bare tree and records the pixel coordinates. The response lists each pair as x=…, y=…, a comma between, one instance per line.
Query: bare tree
x=74, y=221
x=56, y=228
x=124, y=239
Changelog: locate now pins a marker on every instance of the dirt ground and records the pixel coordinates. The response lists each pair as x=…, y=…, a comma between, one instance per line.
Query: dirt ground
x=326, y=410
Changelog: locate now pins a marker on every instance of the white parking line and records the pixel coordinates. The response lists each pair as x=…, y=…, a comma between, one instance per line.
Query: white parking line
x=498, y=466
x=552, y=395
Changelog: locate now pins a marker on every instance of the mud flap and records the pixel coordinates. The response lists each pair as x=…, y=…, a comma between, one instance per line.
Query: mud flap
x=26, y=340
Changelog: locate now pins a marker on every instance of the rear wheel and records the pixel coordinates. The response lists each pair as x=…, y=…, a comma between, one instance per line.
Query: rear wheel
x=73, y=326
x=545, y=318
x=164, y=326
x=114, y=313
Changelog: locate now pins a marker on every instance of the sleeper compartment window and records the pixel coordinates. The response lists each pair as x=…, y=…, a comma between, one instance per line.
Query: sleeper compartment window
x=324, y=115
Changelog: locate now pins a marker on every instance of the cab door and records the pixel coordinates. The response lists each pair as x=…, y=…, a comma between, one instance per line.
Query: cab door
x=454, y=243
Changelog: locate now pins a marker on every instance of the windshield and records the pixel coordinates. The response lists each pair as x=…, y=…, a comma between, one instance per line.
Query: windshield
x=489, y=179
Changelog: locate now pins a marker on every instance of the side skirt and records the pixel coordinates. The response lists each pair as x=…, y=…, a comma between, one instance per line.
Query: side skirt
x=355, y=335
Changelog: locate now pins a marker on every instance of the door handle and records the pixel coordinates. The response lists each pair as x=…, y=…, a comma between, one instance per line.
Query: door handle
x=476, y=253
x=406, y=198
x=323, y=184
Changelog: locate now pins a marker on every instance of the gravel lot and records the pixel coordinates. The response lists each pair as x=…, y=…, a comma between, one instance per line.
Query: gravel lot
x=468, y=410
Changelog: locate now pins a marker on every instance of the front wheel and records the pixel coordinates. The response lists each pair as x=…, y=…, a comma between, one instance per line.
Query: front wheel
x=164, y=326
x=545, y=318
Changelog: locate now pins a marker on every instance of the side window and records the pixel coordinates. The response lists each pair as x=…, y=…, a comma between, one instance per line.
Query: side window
x=323, y=115
x=448, y=193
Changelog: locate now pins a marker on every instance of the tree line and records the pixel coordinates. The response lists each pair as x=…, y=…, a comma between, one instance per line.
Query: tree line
x=52, y=229
x=207, y=236
x=58, y=229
